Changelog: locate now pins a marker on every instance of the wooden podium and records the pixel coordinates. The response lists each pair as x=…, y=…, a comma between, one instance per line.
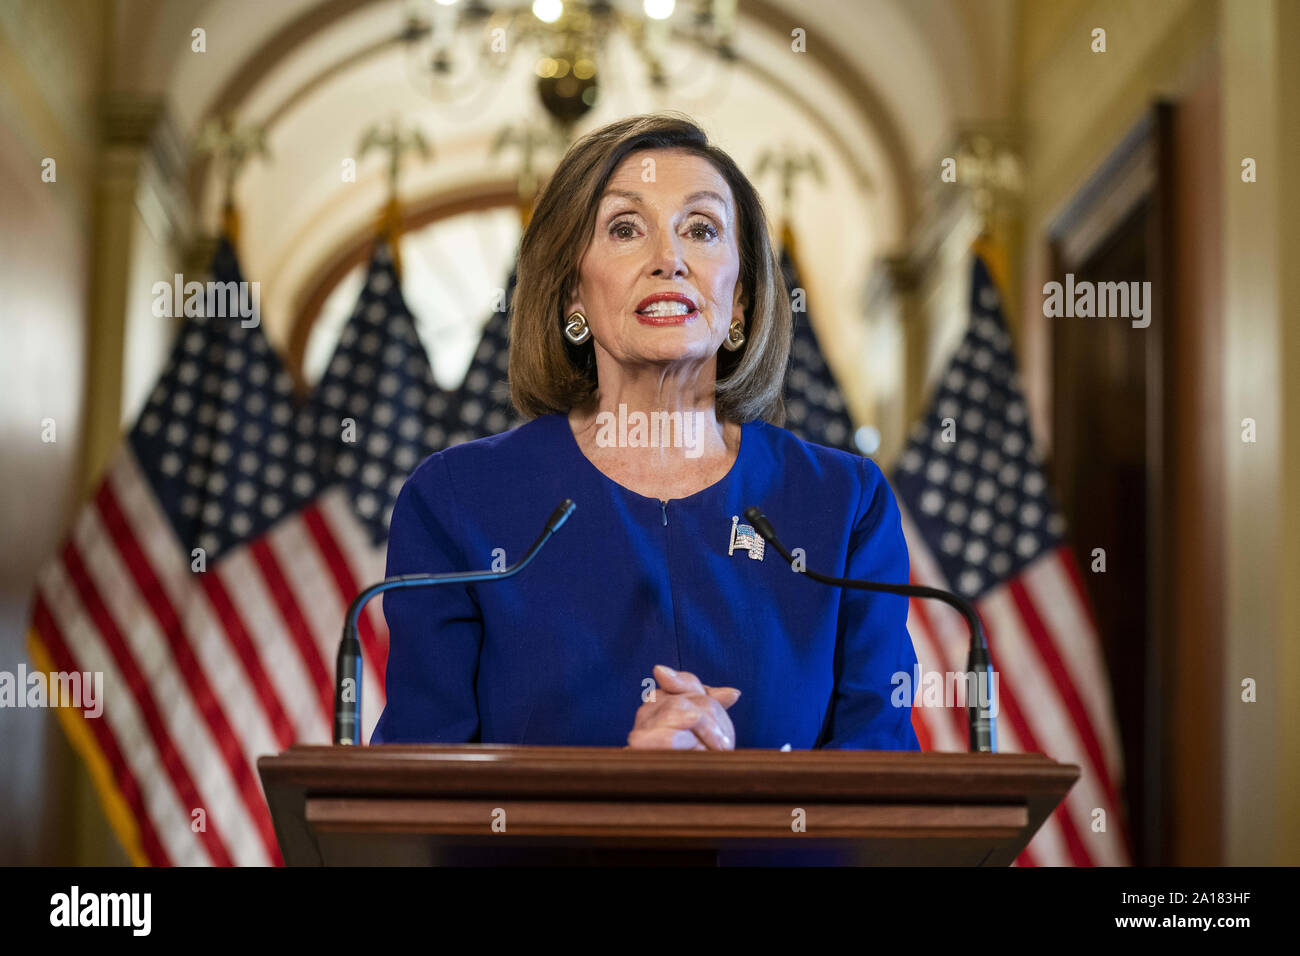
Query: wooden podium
x=476, y=804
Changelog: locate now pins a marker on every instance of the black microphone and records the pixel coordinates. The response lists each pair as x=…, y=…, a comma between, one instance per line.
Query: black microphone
x=983, y=730
x=347, y=712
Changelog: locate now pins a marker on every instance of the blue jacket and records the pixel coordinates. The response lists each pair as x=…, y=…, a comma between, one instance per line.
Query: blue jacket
x=562, y=652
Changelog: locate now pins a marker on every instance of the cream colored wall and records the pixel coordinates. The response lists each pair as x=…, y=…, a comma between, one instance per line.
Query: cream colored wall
x=1261, y=44
x=1287, y=116
x=1075, y=106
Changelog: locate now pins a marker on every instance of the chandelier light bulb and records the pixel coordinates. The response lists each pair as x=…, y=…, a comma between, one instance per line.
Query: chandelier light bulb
x=548, y=11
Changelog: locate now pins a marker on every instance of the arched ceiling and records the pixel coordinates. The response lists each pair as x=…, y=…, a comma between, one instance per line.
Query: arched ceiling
x=877, y=94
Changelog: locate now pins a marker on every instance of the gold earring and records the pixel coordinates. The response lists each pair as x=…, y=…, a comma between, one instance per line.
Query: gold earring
x=735, y=336
x=576, y=329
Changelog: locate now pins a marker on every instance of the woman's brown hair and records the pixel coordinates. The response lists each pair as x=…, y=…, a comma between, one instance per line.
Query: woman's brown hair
x=547, y=372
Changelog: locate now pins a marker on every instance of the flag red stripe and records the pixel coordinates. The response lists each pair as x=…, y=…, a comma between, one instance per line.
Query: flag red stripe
x=149, y=713
x=1010, y=709
x=951, y=714
x=1066, y=691
x=955, y=714
x=56, y=646
x=1009, y=706
x=1027, y=856
x=329, y=549
x=169, y=623
x=1066, y=557
x=919, y=725
x=131, y=481
x=299, y=631
x=932, y=637
x=1069, y=696
x=233, y=627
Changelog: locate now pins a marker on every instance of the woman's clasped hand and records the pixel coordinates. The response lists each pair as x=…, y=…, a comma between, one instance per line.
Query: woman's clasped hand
x=682, y=713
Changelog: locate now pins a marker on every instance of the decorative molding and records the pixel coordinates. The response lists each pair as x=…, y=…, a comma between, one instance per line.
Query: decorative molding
x=141, y=143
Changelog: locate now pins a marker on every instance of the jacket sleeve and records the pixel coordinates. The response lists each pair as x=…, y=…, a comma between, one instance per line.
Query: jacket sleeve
x=434, y=633
x=872, y=641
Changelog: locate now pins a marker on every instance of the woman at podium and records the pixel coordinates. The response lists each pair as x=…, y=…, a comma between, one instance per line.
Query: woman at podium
x=650, y=334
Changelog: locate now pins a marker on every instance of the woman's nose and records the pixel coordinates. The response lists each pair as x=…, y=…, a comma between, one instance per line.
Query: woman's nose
x=669, y=260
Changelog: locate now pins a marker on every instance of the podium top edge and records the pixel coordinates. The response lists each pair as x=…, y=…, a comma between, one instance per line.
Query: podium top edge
x=396, y=769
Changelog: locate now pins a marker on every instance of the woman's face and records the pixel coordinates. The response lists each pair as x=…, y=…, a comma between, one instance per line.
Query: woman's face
x=666, y=224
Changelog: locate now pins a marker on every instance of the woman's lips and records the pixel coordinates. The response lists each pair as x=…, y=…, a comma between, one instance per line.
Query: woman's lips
x=663, y=302
x=667, y=319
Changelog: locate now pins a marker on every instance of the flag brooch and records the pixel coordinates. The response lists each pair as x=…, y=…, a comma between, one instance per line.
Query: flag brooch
x=743, y=537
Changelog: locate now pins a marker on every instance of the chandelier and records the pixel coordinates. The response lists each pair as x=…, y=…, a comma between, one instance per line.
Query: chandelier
x=456, y=49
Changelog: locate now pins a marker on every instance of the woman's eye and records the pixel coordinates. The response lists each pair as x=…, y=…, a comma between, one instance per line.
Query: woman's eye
x=702, y=229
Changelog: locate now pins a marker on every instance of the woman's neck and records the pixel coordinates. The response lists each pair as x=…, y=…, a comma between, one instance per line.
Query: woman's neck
x=665, y=452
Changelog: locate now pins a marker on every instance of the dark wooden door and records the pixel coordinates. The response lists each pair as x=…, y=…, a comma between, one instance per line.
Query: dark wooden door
x=1100, y=466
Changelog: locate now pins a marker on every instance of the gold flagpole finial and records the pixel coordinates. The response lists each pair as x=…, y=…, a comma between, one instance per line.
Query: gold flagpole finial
x=232, y=147
x=988, y=167
x=396, y=142
x=530, y=139
x=790, y=165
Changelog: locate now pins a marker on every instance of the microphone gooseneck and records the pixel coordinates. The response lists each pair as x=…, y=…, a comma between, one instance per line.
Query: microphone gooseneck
x=983, y=729
x=347, y=677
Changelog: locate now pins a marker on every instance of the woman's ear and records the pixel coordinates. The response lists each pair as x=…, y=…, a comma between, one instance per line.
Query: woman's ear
x=575, y=305
x=740, y=302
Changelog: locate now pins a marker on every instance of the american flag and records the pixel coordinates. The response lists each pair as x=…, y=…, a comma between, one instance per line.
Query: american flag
x=815, y=409
x=483, y=400
x=980, y=519
x=208, y=575
x=744, y=538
